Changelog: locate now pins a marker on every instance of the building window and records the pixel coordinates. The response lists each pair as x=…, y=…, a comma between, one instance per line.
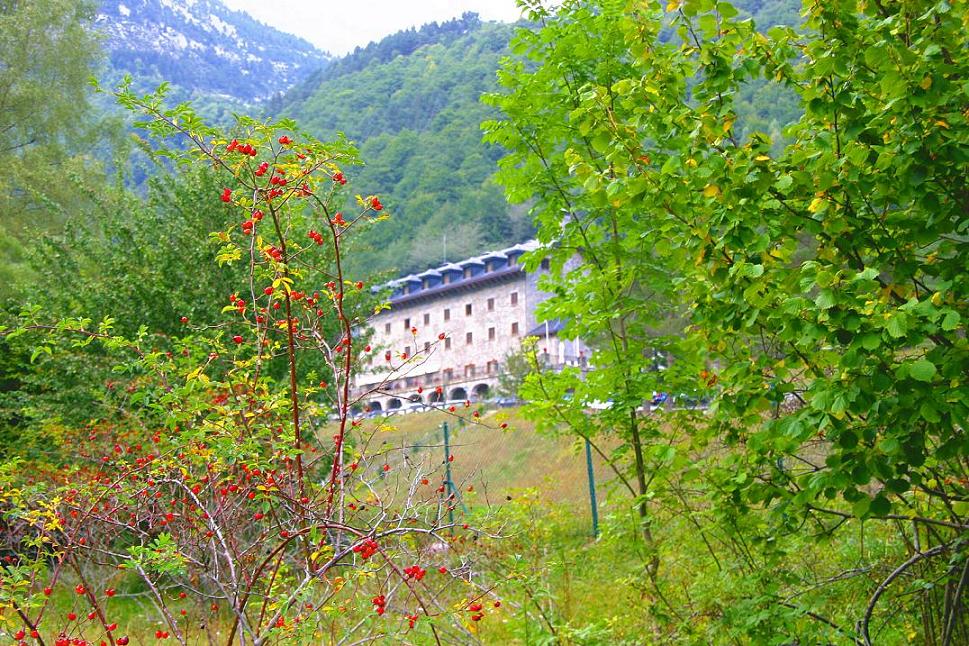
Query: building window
x=467, y=272
x=447, y=314
x=514, y=329
x=406, y=351
x=447, y=343
x=467, y=309
x=386, y=328
x=514, y=298
x=469, y=370
x=491, y=334
x=468, y=338
x=427, y=347
x=545, y=264
x=407, y=324
x=406, y=289
x=492, y=367
x=491, y=305
x=448, y=375
x=427, y=319
x=447, y=279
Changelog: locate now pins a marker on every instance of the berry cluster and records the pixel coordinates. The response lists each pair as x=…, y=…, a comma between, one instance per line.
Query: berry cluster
x=379, y=603
x=366, y=549
x=245, y=149
x=415, y=572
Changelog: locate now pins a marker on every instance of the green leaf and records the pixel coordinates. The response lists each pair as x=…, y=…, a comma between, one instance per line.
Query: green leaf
x=897, y=326
x=871, y=341
x=922, y=370
x=950, y=321
x=825, y=300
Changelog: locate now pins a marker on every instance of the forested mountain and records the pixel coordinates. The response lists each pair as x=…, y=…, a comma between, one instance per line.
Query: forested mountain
x=202, y=48
x=411, y=102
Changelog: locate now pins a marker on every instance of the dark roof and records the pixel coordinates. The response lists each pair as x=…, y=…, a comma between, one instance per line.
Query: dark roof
x=498, y=276
x=554, y=327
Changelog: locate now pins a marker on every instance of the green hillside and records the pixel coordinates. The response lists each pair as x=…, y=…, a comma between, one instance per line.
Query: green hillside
x=415, y=117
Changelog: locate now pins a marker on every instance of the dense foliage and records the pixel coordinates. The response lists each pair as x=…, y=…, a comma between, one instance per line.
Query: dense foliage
x=822, y=288
x=43, y=44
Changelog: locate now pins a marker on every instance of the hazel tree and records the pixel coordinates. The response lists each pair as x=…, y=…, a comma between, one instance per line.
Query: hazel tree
x=825, y=284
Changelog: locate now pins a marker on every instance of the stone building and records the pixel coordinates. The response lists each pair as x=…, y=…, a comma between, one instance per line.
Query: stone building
x=483, y=306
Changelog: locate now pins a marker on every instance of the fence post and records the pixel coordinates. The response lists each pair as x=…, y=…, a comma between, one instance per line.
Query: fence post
x=592, y=488
x=449, y=486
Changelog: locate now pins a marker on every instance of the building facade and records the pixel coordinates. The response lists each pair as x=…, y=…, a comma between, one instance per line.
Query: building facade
x=449, y=330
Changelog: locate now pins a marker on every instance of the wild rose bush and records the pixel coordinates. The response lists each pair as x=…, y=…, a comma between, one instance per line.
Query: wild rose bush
x=234, y=490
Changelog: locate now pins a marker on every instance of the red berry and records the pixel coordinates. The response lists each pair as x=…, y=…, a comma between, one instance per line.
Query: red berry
x=20, y=634
x=227, y=195
x=237, y=339
x=71, y=616
x=123, y=641
x=184, y=319
x=47, y=592
x=80, y=589
x=268, y=291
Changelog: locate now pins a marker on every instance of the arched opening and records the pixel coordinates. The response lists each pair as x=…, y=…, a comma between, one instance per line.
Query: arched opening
x=436, y=397
x=355, y=410
x=481, y=392
x=415, y=399
x=459, y=394
x=393, y=404
x=374, y=407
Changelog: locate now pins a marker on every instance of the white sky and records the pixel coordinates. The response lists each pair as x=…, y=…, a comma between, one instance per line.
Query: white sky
x=337, y=26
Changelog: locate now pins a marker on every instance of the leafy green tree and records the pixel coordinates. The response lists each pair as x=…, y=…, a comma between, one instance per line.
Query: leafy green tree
x=48, y=54
x=826, y=282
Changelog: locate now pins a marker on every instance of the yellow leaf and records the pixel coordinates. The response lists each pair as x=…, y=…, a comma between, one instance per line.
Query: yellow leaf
x=762, y=158
x=711, y=190
x=942, y=124
x=926, y=83
x=816, y=204
x=727, y=125
x=673, y=5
